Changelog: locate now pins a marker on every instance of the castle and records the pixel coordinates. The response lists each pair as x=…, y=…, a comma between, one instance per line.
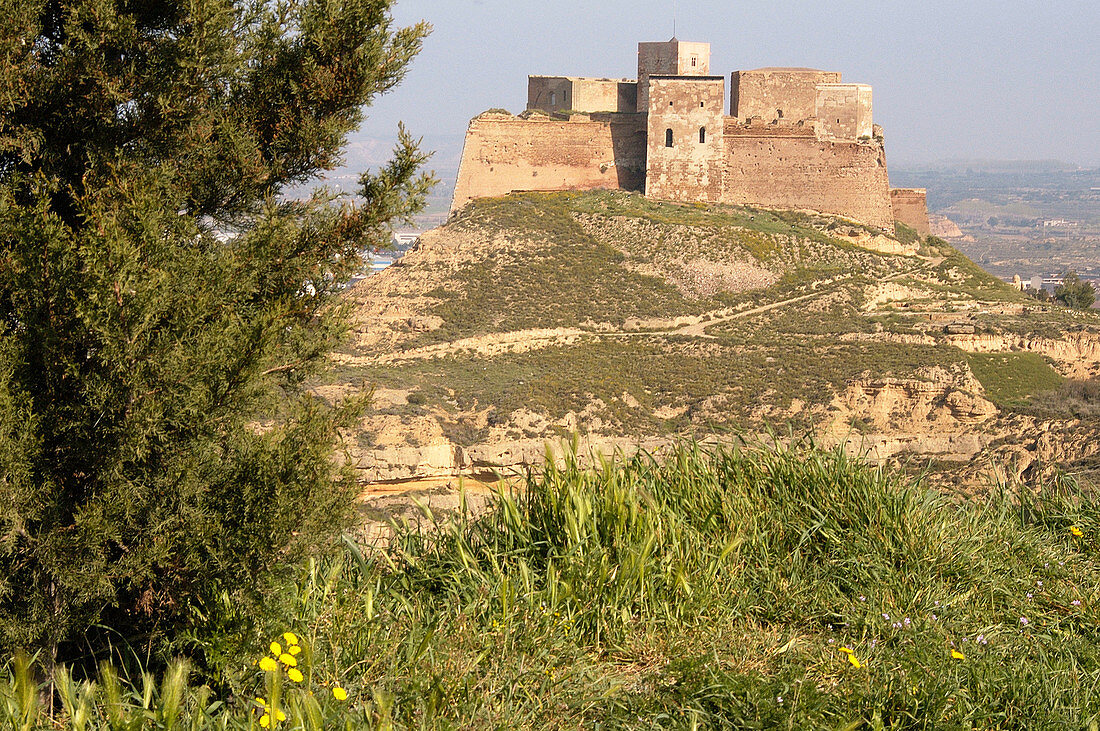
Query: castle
x=794, y=138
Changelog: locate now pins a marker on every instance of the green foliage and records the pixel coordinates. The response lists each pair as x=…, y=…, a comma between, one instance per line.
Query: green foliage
x=1011, y=379
x=160, y=306
x=705, y=589
x=906, y=234
x=1073, y=292
x=1073, y=399
x=962, y=275
x=592, y=376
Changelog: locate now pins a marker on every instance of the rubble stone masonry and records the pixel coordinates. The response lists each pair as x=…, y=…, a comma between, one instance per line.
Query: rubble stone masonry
x=789, y=167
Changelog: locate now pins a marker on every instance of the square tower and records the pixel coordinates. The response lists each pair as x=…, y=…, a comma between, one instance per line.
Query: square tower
x=844, y=112
x=685, y=138
x=674, y=58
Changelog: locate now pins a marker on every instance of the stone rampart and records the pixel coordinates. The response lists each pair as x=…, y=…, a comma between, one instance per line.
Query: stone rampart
x=788, y=167
x=503, y=153
x=910, y=206
x=844, y=111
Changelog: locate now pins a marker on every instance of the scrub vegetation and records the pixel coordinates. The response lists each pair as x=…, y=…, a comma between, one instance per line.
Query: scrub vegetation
x=751, y=588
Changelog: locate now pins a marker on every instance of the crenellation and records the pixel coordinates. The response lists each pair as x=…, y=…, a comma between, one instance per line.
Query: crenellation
x=794, y=138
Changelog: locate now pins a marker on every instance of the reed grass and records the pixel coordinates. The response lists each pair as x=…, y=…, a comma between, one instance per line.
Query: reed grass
x=707, y=589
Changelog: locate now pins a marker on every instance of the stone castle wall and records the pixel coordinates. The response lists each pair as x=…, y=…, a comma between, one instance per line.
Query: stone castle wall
x=782, y=166
x=777, y=93
x=844, y=111
x=797, y=138
x=503, y=153
x=674, y=58
x=560, y=93
x=910, y=207
x=684, y=160
x=789, y=167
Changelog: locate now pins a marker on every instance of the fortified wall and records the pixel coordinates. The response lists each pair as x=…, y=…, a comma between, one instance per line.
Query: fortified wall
x=794, y=138
x=911, y=208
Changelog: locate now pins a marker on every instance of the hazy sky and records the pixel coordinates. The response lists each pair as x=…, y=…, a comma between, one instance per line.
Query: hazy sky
x=951, y=78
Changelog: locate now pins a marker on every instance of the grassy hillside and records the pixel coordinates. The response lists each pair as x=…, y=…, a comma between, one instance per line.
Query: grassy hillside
x=750, y=589
x=680, y=319
x=604, y=257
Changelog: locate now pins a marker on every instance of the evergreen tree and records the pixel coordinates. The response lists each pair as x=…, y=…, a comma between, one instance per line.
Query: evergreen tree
x=161, y=304
x=1073, y=292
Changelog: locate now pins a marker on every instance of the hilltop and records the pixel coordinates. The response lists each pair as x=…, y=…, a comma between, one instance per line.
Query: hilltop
x=633, y=322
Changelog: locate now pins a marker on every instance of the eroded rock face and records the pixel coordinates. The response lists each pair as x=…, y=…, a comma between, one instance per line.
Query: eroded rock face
x=897, y=405
x=385, y=464
x=1077, y=354
x=938, y=415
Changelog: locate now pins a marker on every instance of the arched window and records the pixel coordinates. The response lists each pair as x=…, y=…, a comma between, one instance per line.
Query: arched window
x=668, y=138
x=702, y=135
x=779, y=113
x=553, y=98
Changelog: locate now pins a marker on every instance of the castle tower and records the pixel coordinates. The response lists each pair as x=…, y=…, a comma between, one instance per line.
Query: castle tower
x=674, y=58
x=685, y=137
x=844, y=112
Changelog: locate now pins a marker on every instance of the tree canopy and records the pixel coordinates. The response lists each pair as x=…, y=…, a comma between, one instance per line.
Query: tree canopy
x=162, y=303
x=1073, y=292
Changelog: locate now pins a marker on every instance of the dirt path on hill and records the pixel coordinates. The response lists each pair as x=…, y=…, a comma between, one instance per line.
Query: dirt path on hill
x=518, y=341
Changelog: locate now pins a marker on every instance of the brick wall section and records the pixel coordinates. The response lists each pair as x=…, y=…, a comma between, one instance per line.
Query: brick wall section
x=503, y=153
x=844, y=111
x=910, y=206
x=764, y=93
x=788, y=167
x=691, y=107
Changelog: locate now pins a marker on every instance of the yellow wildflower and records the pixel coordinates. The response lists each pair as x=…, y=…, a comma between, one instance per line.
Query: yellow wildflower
x=287, y=660
x=1076, y=531
x=276, y=649
x=855, y=662
x=294, y=649
x=268, y=664
x=339, y=693
x=291, y=638
x=957, y=655
x=265, y=720
x=846, y=650
x=280, y=716
x=262, y=702
x=295, y=674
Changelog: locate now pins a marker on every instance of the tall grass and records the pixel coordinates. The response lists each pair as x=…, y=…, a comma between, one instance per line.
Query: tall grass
x=708, y=589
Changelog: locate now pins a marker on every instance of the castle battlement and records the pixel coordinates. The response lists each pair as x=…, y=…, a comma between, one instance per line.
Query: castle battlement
x=794, y=137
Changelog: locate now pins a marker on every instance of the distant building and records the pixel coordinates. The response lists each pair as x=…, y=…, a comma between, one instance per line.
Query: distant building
x=793, y=138
x=405, y=239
